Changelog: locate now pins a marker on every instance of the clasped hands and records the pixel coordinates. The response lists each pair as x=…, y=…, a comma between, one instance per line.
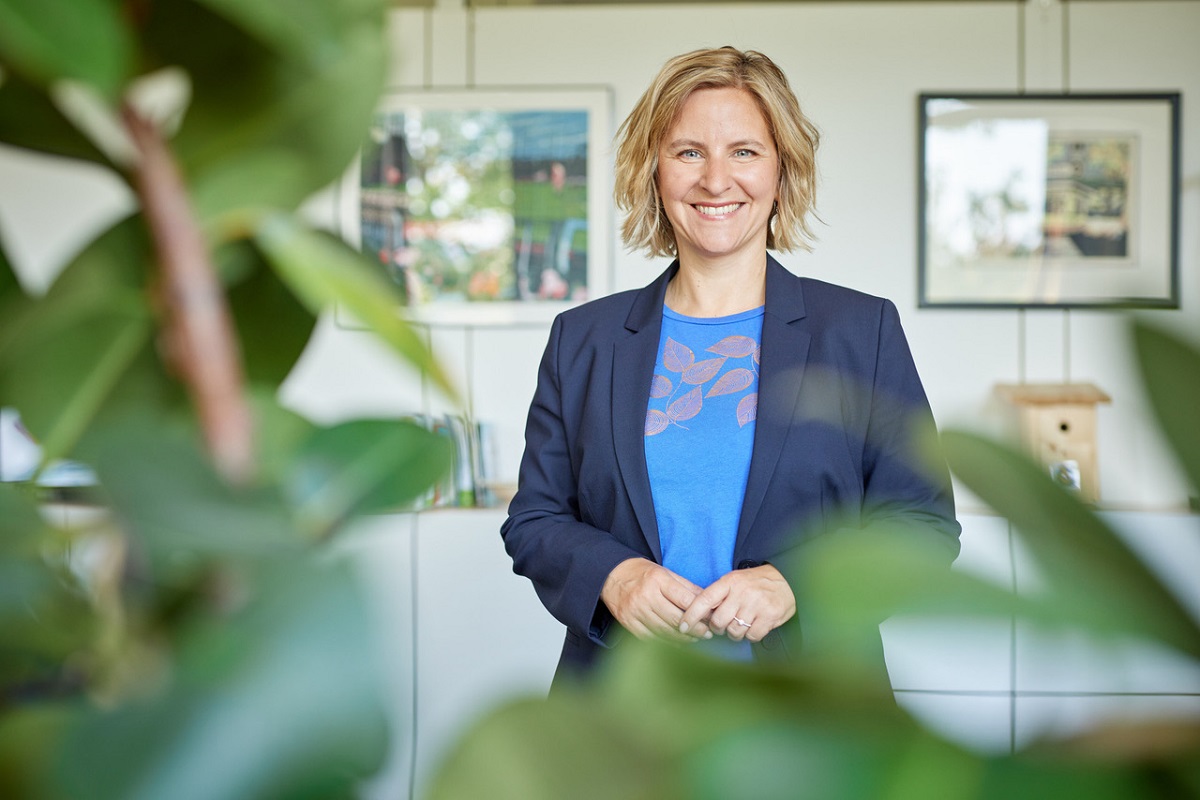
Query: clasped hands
x=650, y=601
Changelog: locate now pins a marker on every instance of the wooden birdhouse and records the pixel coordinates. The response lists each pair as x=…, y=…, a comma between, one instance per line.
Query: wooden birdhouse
x=1057, y=424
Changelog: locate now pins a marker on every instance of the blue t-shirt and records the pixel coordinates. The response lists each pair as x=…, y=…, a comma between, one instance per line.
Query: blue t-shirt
x=700, y=436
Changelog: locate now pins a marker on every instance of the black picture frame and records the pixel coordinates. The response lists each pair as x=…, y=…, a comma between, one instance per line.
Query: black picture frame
x=1043, y=200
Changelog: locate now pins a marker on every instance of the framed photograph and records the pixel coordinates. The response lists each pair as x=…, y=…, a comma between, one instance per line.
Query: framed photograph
x=486, y=206
x=1048, y=200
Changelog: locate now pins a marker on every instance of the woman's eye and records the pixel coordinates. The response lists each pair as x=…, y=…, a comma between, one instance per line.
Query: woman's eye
x=743, y=153
x=690, y=154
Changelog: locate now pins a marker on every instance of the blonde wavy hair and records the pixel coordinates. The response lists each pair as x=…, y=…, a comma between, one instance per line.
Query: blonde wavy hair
x=646, y=226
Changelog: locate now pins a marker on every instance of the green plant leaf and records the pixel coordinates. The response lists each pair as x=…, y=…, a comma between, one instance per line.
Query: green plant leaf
x=51, y=40
x=1086, y=567
x=304, y=30
x=63, y=356
x=539, y=750
x=279, y=434
x=1170, y=368
x=324, y=271
x=362, y=467
x=45, y=616
x=685, y=725
x=10, y=285
x=279, y=698
x=30, y=119
x=273, y=326
x=29, y=741
x=309, y=76
x=182, y=515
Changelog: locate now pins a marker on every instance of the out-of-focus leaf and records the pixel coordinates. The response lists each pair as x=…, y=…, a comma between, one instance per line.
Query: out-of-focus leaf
x=1170, y=369
x=157, y=479
x=1087, y=568
x=272, y=325
x=319, y=124
x=324, y=271
x=30, y=119
x=255, y=179
x=29, y=738
x=1035, y=778
x=309, y=76
x=81, y=361
x=10, y=285
x=44, y=615
x=682, y=725
x=279, y=434
x=907, y=573
x=62, y=356
x=306, y=30
x=49, y=40
x=22, y=575
x=279, y=700
x=362, y=467
x=538, y=750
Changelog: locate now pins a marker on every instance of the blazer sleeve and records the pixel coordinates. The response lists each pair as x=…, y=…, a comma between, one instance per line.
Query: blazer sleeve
x=902, y=481
x=902, y=485
x=566, y=559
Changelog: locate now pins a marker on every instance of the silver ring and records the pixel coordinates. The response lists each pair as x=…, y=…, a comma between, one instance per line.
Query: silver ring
x=741, y=621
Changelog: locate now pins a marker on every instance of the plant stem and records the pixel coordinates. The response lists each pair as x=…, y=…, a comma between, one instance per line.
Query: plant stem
x=199, y=340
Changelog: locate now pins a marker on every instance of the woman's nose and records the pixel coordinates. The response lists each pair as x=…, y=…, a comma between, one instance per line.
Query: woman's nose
x=716, y=177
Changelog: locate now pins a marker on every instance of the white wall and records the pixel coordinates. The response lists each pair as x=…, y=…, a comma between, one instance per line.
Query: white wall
x=857, y=68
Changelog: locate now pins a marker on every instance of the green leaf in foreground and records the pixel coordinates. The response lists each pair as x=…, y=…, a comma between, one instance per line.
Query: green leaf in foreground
x=279, y=699
x=30, y=119
x=64, y=356
x=84, y=40
x=273, y=326
x=324, y=271
x=362, y=467
x=159, y=482
x=1170, y=369
x=1086, y=567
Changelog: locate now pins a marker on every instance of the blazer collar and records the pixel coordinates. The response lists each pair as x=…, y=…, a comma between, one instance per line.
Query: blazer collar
x=785, y=344
x=634, y=357
x=785, y=293
x=648, y=304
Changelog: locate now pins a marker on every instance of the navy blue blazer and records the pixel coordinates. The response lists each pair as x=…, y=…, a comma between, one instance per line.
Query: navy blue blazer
x=838, y=396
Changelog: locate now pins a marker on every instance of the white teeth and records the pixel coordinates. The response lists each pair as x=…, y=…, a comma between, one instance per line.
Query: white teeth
x=710, y=211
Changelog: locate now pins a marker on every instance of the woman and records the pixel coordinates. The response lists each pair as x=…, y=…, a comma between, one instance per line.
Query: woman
x=685, y=439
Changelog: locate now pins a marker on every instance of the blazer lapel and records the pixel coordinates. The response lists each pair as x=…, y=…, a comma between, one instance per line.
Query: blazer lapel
x=634, y=358
x=784, y=354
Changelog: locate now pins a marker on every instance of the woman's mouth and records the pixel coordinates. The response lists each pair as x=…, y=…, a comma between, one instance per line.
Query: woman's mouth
x=717, y=211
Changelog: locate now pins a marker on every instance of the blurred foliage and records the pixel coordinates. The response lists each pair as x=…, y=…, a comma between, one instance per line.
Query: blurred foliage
x=663, y=722
x=195, y=639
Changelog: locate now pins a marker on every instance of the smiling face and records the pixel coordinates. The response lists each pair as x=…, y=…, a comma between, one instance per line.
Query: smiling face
x=718, y=177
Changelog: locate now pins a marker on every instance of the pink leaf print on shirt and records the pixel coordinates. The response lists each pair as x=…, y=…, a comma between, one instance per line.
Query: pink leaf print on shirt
x=747, y=409
x=733, y=381
x=686, y=407
x=734, y=346
x=677, y=357
x=660, y=386
x=758, y=356
x=656, y=422
x=703, y=371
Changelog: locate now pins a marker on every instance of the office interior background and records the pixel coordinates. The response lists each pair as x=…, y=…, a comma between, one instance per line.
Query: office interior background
x=858, y=68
